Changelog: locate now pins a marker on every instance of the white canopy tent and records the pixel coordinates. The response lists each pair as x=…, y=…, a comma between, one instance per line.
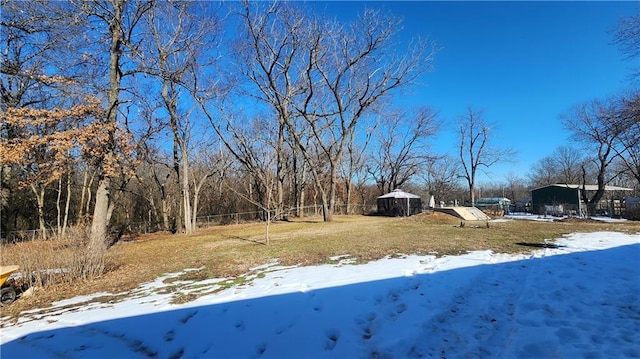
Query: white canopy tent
x=399, y=203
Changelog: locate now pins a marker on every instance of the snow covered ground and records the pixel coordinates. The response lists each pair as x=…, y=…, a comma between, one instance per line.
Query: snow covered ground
x=577, y=299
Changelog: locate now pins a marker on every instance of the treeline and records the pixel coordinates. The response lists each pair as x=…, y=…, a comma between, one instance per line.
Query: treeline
x=117, y=112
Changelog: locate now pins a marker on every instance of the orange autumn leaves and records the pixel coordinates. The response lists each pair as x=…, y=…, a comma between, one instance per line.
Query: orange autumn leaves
x=43, y=142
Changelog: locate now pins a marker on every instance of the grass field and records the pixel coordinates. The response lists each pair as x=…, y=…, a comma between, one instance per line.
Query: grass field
x=230, y=251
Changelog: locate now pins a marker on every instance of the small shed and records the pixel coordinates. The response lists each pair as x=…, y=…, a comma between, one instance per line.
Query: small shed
x=399, y=203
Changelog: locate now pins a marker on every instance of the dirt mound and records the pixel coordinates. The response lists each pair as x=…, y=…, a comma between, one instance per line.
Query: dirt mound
x=435, y=217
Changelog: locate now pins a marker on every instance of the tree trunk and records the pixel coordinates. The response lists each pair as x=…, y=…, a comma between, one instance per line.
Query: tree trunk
x=165, y=214
x=59, y=209
x=303, y=191
x=67, y=204
x=348, y=195
x=196, y=200
x=472, y=195
x=39, y=193
x=332, y=194
x=85, y=178
x=268, y=226
x=188, y=226
x=100, y=221
x=89, y=195
x=280, y=178
x=101, y=215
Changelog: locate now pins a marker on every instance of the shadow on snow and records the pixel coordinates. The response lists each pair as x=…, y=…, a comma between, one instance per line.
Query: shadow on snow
x=556, y=306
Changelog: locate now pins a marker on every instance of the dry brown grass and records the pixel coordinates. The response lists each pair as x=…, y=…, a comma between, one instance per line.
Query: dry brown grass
x=230, y=251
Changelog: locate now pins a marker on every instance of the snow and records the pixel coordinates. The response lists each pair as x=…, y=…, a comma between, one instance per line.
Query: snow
x=577, y=298
x=544, y=218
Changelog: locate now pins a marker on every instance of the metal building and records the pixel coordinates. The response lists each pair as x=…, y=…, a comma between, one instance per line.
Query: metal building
x=566, y=199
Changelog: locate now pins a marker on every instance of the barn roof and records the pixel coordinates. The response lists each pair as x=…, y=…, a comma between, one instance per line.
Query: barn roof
x=588, y=187
x=398, y=193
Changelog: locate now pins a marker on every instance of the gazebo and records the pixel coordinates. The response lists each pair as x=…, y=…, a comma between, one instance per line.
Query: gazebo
x=399, y=203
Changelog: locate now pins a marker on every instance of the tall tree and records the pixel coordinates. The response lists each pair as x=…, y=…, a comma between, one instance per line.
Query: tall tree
x=475, y=150
x=176, y=53
x=354, y=168
x=269, y=52
x=350, y=70
x=116, y=20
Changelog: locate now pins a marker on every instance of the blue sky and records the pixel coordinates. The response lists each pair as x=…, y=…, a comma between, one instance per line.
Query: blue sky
x=522, y=63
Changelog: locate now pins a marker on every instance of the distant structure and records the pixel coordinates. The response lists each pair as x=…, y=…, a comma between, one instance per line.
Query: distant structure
x=495, y=205
x=399, y=203
x=566, y=199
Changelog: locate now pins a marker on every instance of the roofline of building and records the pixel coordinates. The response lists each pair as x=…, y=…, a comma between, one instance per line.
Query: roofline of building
x=588, y=187
x=398, y=193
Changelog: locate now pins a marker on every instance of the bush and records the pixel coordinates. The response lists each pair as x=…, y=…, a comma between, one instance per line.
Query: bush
x=61, y=260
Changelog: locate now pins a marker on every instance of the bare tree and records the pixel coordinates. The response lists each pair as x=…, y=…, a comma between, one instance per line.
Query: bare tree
x=441, y=178
x=254, y=146
x=350, y=70
x=475, y=150
x=299, y=178
x=206, y=165
x=402, y=147
x=354, y=167
x=516, y=188
x=176, y=55
x=596, y=124
x=115, y=20
x=629, y=148
x=564, y=165
x=270, y=52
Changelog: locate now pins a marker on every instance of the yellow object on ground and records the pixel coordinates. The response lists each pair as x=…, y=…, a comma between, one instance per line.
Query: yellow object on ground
x=6, y=271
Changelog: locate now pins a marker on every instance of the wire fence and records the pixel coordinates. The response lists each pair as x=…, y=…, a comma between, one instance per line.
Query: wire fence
x=201, y=222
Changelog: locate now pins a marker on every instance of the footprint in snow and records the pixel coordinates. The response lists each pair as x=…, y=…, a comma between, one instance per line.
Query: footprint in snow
x=187, y=317
x=239, y=325
x=332, y=339
x=261, y=348
x=401, y=308
x=365, y=322
x=169, y=336
x=178, y=354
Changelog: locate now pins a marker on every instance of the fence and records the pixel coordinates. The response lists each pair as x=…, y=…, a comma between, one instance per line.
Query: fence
x=201, y=222
x=26, y=235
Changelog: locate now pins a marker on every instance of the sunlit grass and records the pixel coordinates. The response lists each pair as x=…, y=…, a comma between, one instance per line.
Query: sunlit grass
x=231, y=251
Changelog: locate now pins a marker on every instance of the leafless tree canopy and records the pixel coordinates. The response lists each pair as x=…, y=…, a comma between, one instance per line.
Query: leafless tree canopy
x=564, y=165
x=262, y=108
x=476, y=150
x=606, y=129
x=320, y=79
x=627, y=37
x=401, y=147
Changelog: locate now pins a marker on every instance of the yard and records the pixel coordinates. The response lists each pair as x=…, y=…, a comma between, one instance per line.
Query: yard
x=230, y=251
